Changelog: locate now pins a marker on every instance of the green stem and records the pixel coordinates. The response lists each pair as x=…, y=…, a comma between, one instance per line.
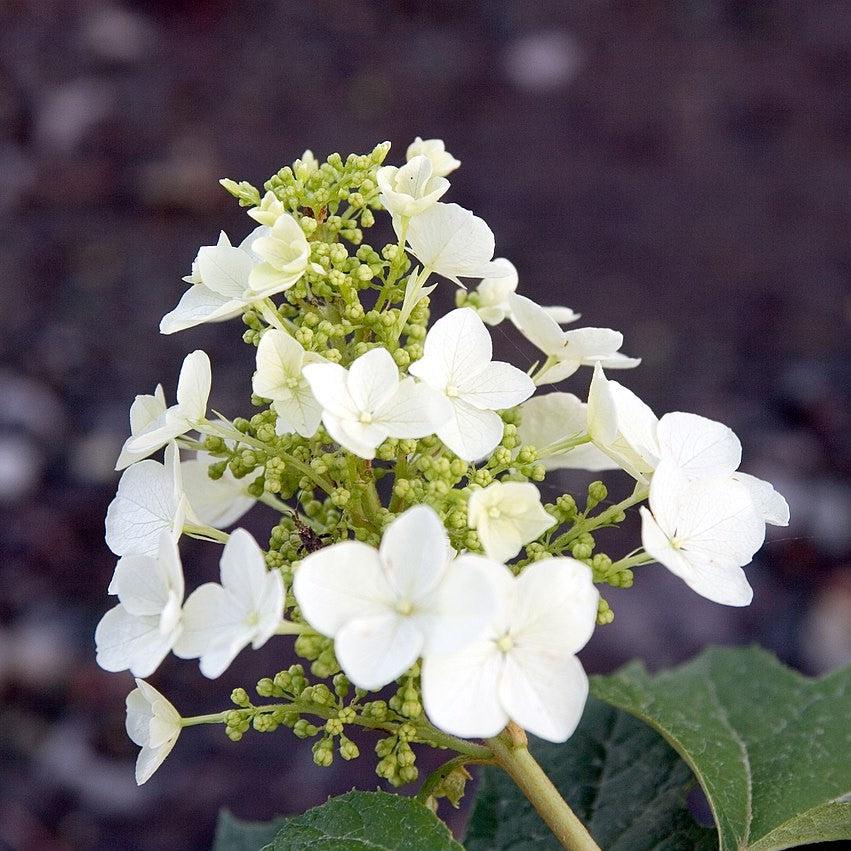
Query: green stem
x=429, y=734
x=213, y=718
x=512, y=755
x=604, y=518
x=206, y=533
x=290, y=628
x=393, y=276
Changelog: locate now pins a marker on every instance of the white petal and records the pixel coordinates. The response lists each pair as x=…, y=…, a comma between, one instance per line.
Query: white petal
x=559, y=371
x=139, y=586
x=340, y=583
x=498, y=386
x=769, y=504
x=299, y=413
x=614, y=360
x=150, y=759
x=471, y=434
x=125, y=641
x=562, y=315
x=139, y=715
x=198, y=305
x=536, y=324
x=457, y=345
x=279, y=359
x=414, y=410
x=415, y=553
x=359, y=439
x=225, y=270
x=373, y=378
x=216, y=502
x=451, y=241
x=375, y=651
x=328, y=383
x=700, y=447
x=592, y=343
x=193, y=386
x=463, y=606
x=244, y=573
x=461, y=691
x=544, y=691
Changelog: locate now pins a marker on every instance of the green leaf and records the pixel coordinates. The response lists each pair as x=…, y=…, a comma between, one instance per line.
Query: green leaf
x=619, y=776
x=233, y=834
x=376, y=821
x=771, y=748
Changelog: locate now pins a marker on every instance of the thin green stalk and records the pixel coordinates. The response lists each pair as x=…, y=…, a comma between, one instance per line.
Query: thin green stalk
x=604, y=518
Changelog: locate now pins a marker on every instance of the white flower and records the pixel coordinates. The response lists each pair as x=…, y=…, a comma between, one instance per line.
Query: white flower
x=410, y=190
x=284, y=254
x=568, y=350
x=556, y=417
x=494, y=304
x=364, y=405
x=507, y=516
x=452, y=242
x=457, y=363
x=153, y=724
x=144, y=411
x=268, y=211
x=219, y=288
x=193, y=392
x=139, y=632
x=279, y=377
x=524, y=669
x=386, y=607
x=214, y=502
x=441, y=160
x=704, y=531
x=622, y=426
x=221, y=620
x=150, y=501
x=305, y=165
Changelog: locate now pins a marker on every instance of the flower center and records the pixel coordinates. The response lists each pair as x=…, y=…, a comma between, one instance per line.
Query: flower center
x=365, y=418
x=405, y=607
x=252, y=619
x=494, y=511
x=505, y=643
x=292, y=382
x=451, y=391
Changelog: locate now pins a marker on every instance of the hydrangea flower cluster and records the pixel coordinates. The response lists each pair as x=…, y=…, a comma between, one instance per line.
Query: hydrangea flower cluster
x=410, y=547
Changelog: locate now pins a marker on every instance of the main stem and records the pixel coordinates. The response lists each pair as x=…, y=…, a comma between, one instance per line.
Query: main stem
x=512, y=755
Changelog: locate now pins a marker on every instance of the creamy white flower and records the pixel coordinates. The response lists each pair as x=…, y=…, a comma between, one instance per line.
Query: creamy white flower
x=494, y=304
x=214, y=502
x=284, y=254
x=268, y=211
x=524, y=669
x=555, y=418
x=150, y=501
x=704, y=531
x=442, y=161
x=279, y=377
x=507, y=516
x=385, y=608
x=139, y=632
x=410, y=190
x=221, y=620
x=568, y=350
x=622, y=426
x=457, y=363
x=193, y=392
x=364, y=405
x=452, y=242
x=144, y=412
x=305, y=165
x=153, y=724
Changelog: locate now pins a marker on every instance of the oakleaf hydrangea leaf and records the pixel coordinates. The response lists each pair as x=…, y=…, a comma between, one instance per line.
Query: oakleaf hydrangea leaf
x=619, y=776
x=771, y=748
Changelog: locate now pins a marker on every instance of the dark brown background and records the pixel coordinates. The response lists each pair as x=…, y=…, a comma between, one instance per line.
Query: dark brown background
x=677, y=170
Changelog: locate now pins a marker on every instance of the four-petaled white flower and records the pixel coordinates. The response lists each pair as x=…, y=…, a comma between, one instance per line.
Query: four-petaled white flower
x=284, y=254
x=507, y=516
x=266, y=213
x=220, y=620
x=494, y=303
x=214, y=502
x=457, y=363
x=149, y=501
x=704, y=531
x=411, y=189
x=566, y=351
x=367, y=403
x=153, y=724
x=279, y=377
x=139, y=632
x=442, y=161
x=385, y=608
x=144, y=412
x=193, y=391
x=525, y=668
x=452, y=242
x=554, y=418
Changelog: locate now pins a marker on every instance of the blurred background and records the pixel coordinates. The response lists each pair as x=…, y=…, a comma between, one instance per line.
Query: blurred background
x=679, y=171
